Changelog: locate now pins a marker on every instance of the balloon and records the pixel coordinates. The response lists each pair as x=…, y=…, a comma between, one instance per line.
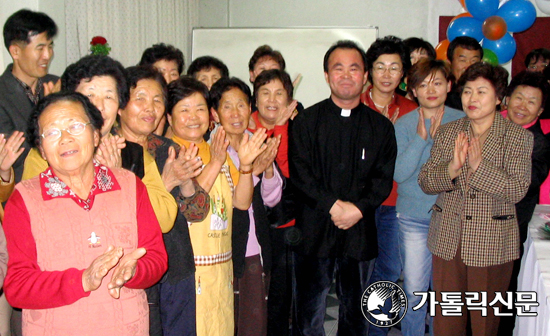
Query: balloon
x=462, y=3
x=489, y=57
x=441, y=50
x=482, y=9
x=494, y=28
x=544, y=6
x=465, y=14
x=518, y=14
x=505, y=48
x=465, y=26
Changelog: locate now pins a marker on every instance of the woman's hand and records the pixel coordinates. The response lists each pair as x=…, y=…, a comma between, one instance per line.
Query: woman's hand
x=287, y=113
x=98, y=269
x=436, y=121
x=109, y=151
x=180, y=170
x=51, y=87
x=474, y=153
x=459, y=155
x=218, y=148
x=249, y=149
x=124, y=271
x=10, y=150
x=264, y=161
x=421, y=126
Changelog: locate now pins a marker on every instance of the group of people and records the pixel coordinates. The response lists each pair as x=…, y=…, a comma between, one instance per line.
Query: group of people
x=147, y=202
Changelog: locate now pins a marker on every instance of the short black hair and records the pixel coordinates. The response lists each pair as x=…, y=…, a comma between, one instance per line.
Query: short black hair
x=344, y=44
x=93, y=66
x=161, y=51
x=415, y=43
x=532, y=79
x=184, y=87
x=496, y=75
x=136, y=73
x=225, y=84
x=266, y=51
x=24, y=24
x=388, y=45
x=206, y=63
x=269, y=75
x=93, y=114
x=536, y=55
x=464, y=42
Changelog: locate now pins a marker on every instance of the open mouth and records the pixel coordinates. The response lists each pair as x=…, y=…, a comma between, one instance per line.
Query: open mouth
x=69, y=153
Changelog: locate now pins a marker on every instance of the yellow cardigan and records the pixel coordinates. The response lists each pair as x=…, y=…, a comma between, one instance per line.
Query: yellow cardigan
x=164, y=204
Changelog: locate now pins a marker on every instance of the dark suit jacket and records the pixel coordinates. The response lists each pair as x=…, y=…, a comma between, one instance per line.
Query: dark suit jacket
x=16, y=111
x=478, y=213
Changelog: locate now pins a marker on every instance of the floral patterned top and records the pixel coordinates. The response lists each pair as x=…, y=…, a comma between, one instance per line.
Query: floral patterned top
x=52, y=187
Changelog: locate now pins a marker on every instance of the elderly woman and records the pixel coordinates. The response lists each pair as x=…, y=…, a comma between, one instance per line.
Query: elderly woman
x=230, y=99
x=228, y=187
x=480, y=166
x=148, y=155
x=77, y=264
x=101, y=79
x=414, y=132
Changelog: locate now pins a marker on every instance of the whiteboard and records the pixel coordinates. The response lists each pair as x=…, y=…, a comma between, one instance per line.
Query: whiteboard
x=302, y=48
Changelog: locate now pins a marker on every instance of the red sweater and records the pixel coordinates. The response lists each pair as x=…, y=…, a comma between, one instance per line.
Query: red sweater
x=282, y=154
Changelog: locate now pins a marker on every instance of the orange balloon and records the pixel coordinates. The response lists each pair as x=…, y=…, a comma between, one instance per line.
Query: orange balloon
x=462, y=3
x=465, y=14
x=441, y=50
x=494, y=28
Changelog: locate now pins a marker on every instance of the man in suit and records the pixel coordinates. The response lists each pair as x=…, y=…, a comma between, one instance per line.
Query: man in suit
x=28, y=37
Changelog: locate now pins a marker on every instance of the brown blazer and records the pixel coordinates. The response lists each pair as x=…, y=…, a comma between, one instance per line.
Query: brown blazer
x=479, y=214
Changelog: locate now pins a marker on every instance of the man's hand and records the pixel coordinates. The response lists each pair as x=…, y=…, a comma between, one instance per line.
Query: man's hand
x=345, y=214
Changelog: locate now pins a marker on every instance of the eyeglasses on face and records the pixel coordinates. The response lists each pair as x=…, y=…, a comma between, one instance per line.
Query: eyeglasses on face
x=54, y=133
x=394, y=70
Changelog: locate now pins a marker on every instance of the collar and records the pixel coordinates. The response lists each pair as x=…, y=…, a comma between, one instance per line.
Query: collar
x=367, y=100
x=53, y=187
x=504, y=114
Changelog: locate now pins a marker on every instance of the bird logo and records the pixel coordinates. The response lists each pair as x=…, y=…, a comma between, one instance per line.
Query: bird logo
x=384, y=303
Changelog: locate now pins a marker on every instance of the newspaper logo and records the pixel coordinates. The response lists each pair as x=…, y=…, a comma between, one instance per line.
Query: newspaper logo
x=384, y=304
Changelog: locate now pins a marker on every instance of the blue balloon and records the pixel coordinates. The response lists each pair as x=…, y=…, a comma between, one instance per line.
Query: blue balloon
x=465, y=26
x=505, y=48
x=481, y=9
x=518, y=14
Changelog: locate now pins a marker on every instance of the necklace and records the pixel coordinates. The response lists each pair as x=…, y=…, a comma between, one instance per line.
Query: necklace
x=379, y=106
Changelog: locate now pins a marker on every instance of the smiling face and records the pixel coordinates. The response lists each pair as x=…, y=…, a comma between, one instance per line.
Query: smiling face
x=168, y=69
x=70, y=153
x=271, y=100
x=190, y=118
x=31, y=61
x=102, y=92
x=432, y=91
x=208, y=77
x=462, y=59
x=346, y=75
x=143, y=111
x=479, y=101
x=525, y=105
x=233, y=111
x=264, y=63
x=386, y=74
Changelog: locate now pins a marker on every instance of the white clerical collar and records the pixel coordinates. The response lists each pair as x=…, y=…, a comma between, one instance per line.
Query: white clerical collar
x=345, y=113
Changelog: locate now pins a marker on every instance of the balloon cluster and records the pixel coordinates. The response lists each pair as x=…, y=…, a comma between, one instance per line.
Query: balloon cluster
x=491, y=26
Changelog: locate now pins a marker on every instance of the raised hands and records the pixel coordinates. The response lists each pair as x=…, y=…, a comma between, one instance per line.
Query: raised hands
x=124, y=271
x=474, y=153
x=249, y=149
x=386, y=113
x=460, y=154
x=100, y=267
x=218, y=147
x=178, y=171
x=10, y=150
x=264, y=161
x=109, y=151
x=435, y=122
x=288, y=113
x=51, y=87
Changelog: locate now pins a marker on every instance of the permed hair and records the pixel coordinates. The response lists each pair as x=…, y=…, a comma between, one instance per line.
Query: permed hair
x=415, y=43
x=182, y=88
x=532, y=79
x=496, y=75
x=535, y=55
x=136, y=73
x=388, y=45
x=94, y=66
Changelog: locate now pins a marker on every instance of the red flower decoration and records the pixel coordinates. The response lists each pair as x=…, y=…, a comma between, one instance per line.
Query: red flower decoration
x=98, y=40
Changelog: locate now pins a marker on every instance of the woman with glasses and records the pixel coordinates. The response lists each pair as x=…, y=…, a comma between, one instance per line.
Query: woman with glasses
x=78, y=264
x=388, y=60
x=479, y=167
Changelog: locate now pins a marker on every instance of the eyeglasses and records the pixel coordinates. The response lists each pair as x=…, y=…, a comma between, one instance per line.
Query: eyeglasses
x=76, y=128
x=394, y=70
x=538, y=67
